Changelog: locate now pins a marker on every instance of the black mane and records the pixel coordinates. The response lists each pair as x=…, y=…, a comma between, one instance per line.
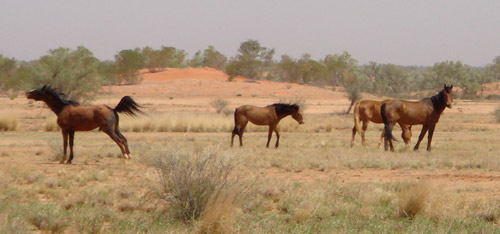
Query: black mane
x=284, y=109
x=60, y=96
x=438, y=101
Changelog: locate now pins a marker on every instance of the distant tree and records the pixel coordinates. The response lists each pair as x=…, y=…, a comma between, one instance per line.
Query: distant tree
x=339, y=65
x=252, y=61
x=8, y=67
x=108, y=72
x=73, y=72
x=128, y=63
x=455, y=73
x=210, y=57
x=354, y=85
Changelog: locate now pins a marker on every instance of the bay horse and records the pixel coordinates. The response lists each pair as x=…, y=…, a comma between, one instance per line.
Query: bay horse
x=426, y=112
x=367, y=111
x=269, y=115
x=71, y=117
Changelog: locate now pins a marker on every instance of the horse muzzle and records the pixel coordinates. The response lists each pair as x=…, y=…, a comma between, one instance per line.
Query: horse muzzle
x=448, y=105
x=301, y=122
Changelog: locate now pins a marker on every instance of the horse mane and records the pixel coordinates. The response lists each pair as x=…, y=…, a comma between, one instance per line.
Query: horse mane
x=284, y=109
x=438, y=100
x=60, y=96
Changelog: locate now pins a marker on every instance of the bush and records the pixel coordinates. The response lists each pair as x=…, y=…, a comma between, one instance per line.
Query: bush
x=411, y=200
x=497, y=113
x=8, y=123
x=219, y=104
x=188, y=183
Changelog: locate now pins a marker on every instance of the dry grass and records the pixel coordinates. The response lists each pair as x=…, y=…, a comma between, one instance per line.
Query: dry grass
x=412, y=200
x=8, y=122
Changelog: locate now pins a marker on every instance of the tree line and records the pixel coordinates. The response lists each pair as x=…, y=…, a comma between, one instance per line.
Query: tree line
x=80, y=75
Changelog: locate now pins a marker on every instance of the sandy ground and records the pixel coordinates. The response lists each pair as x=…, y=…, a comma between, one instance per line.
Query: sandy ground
x=193, y=89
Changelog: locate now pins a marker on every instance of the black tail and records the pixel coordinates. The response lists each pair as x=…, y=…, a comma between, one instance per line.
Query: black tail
x=387, y=130
x=235, y=130
x=128, y=106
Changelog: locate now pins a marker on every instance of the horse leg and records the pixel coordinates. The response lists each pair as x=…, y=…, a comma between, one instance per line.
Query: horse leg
x=421, y=136
x=269, y=135
x=381, y=139
x=405, y=134
x=363, y=130
x=116, y=139
x=277, y=137
x=124, y=142
x=71, y=140
x=65, y=145
x=241, y=131
x=353, y=135
x=429, y=137
x=388, y=140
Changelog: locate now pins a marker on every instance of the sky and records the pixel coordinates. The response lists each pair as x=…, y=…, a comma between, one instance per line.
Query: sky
x=402, y=32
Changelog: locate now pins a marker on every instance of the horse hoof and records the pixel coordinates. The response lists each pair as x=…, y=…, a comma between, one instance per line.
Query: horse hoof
x=68, y=162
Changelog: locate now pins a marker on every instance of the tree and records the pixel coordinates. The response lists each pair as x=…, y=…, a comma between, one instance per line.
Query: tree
x=338, y=66
x=8, y=67
x=210, y=57
x=252, y=61
x=73, y=72
x=128, y=63
x=455, y=73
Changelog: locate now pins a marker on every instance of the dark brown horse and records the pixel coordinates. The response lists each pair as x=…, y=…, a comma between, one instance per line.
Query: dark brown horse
x=71, y=117
x=269, y=115
x=367, y=111
x=426, y=112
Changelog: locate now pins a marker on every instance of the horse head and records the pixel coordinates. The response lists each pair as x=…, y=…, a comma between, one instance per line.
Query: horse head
x=37, y=94
x=296, y=114
x=448, y=95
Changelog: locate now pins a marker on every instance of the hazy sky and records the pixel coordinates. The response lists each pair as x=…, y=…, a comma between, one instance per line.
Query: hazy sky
x=419, y=32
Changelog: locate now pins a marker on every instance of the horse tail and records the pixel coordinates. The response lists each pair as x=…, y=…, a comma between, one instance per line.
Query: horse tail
x=388, y=133
x=235, y=130
x=128, y=106
x=356, y=118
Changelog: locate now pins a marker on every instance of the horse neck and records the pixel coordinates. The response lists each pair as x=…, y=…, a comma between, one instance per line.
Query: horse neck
x=438, y=102
x=54, y=104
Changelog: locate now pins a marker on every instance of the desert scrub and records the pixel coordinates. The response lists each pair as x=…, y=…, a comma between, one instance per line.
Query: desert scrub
x=51, y=125
x=219, y=104
x=8, y=123
x=497, y=114
x=198, y=184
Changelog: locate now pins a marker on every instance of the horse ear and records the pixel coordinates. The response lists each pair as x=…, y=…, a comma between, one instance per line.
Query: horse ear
x=451, y=87
x=445, y=86
x=43, y=88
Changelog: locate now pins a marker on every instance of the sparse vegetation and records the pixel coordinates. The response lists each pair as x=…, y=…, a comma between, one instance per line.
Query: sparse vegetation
x=8, y=122
x=219, y=104
x=497, y=114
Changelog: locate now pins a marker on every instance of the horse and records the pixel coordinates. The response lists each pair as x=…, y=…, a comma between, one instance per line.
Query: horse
x=71, y=117
x=426, y=112
x=269, y=115
x=367, y=111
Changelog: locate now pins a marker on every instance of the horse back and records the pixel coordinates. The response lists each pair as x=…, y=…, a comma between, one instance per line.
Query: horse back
x=369, y=110
x=256, y=115
x=84, y=118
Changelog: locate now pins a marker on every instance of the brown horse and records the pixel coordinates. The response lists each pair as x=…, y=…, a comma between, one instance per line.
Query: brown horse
x=72, y=117
x=426, y=112
x=367, y=111
x=269, y=115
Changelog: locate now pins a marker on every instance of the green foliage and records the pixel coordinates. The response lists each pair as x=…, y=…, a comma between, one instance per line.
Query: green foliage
x=128, y=63
x=455, y=73
x=252, y=61
x=209, y=58
x=73, y=72
x=304, y=70
x=339, y=65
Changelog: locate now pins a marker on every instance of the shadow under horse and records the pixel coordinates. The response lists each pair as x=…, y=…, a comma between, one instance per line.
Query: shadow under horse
x=71, y=117
x=425, y=112
x=269, y=115
x=367, y=111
